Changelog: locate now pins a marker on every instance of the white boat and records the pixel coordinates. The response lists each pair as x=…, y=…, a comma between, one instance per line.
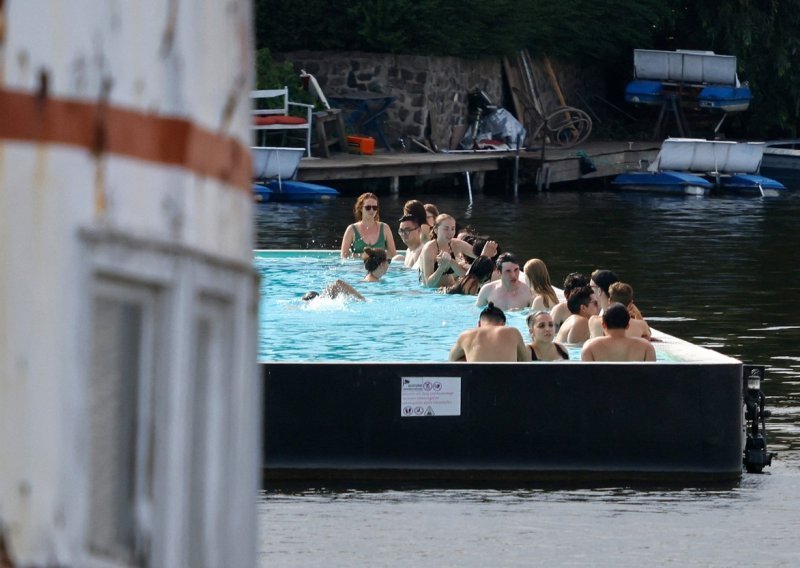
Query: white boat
x=697, y=167
x=272, y=162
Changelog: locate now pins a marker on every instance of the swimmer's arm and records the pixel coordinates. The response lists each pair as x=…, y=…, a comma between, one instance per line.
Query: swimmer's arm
x=523, y=353
x=483, y=296
x=430, y=277
x=586, y=351
x=462, y=247
x=596, y=327
x=347, y=242
x=489, y=249
x=344, y=288
x=457, y=352
x=391, y=249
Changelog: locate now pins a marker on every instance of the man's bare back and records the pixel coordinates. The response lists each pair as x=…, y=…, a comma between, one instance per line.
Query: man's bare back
x=490, y=343
x=575, y=329
x=618, y=348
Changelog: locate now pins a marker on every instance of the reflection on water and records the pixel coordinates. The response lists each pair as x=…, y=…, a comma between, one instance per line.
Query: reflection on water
x=720, y=272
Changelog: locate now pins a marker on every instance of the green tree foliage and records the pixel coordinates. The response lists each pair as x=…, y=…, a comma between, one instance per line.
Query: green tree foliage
x=763, y=34
x=765, y=37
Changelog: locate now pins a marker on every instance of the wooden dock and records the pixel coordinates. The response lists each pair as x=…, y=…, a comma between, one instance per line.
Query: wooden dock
x=556, y=166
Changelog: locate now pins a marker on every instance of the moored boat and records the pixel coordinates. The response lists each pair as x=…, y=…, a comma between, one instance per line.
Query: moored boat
x=698, y=167
x=272, y=162
x=782, y=161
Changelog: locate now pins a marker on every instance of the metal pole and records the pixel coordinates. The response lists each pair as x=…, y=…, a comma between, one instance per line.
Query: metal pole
x=469, y=186
x=516, y=166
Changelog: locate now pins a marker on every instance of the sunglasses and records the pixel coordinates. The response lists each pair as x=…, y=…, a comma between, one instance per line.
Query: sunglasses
x=371, y=207
x=407, y=231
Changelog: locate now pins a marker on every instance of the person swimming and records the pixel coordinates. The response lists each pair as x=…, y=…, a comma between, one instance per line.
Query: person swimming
x=333, y=291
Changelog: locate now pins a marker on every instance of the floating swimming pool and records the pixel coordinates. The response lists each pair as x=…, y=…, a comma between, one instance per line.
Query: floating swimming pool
x=362, y=392
x=400, y=321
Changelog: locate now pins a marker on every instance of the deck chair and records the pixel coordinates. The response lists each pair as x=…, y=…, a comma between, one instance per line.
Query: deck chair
x=271, y=113
x=329, y=127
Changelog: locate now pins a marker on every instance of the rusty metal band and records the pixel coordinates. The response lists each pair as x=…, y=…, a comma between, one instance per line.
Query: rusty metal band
x=105, y=129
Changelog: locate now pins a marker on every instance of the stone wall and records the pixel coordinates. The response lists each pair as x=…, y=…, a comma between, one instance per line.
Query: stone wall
x=433, y=90
x=428, y=90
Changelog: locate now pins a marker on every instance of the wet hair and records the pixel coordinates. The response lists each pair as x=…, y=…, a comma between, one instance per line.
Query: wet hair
x=467, y=231
x=358, y=208
x=310, y=295
x=616, y=316
x=620, y=292
x=493, y=313
x=579, y=297
x=574, y=280
x=604, y=279
x=505, y=257
x=373, y=258
x=539, y=281
x=531, y=319
x=480, y=271
x=416, y=210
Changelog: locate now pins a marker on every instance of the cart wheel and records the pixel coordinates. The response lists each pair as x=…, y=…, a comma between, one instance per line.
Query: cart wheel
x=564, y=127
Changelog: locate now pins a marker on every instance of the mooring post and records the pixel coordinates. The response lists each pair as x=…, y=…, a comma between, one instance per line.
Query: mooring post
x=394, y=185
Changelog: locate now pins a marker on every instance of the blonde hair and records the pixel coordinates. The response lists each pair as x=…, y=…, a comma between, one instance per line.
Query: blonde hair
x=539, y=281
x=439, y=219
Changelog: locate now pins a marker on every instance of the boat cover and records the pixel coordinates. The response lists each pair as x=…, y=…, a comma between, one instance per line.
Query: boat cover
x=719, y=156
x=683, y=66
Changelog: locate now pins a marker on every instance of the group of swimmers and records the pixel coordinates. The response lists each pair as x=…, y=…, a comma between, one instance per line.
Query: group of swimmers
x=597, y=312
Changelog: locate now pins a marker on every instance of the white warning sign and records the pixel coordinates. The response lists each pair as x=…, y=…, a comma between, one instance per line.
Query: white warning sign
x=430, y=396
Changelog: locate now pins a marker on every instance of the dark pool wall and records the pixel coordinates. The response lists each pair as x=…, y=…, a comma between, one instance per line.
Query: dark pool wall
x=344, y=422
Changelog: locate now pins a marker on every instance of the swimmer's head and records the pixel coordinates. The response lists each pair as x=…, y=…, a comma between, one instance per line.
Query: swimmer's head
x=493, y=314
x=616, y=316
x=310, y=295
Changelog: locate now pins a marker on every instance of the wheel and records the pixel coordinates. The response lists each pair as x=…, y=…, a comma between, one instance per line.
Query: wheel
x=564, y=127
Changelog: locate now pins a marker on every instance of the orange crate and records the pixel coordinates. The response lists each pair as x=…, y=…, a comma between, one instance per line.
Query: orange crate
x=361, y=144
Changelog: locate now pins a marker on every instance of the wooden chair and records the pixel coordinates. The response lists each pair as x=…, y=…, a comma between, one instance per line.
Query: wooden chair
x=277, y=118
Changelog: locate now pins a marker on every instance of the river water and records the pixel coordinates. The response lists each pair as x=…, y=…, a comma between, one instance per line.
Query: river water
x=720, y=272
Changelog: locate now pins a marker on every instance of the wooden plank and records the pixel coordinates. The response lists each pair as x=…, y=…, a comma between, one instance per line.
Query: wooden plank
x=514, y=82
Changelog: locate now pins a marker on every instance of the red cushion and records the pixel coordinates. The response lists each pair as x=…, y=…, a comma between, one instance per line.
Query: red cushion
x=273, y=119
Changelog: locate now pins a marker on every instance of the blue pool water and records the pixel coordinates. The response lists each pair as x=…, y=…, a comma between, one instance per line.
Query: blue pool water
x=400, y=321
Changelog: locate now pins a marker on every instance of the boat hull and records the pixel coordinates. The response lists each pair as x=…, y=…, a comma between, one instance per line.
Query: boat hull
x=645, y=92
x=290, y=190
x=275, y=163
x=750, y=184
x=663, y=182
x=781, y=161
x=726, y=99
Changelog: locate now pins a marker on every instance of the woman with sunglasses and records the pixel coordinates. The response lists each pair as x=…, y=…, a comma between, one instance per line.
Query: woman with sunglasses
x=367, y=231
x=375, y=263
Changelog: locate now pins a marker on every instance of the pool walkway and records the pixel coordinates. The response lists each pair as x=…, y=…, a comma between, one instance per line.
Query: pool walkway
x=609, y=158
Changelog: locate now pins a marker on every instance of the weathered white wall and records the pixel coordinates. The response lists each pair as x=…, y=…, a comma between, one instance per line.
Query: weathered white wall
x=71, y=212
